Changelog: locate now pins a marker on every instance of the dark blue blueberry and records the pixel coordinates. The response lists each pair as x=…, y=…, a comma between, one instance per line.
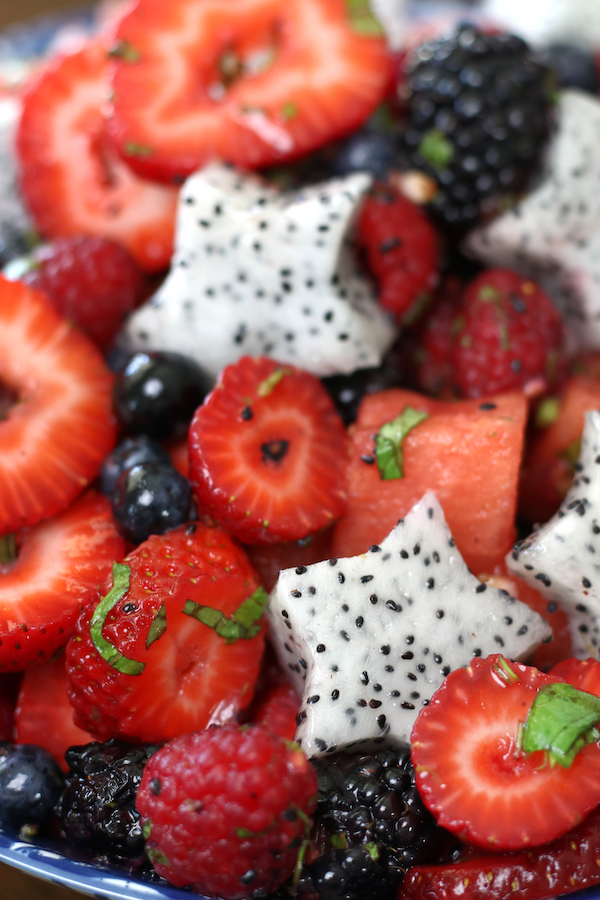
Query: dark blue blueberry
x=130, y=452
x=366, y=151
x=150, y=499
x=30, y=784
x=157, y=394
x=573, y=67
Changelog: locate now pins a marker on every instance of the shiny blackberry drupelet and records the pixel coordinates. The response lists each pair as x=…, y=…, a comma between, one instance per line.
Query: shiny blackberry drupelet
x=97, y=809
x=157, y=394
x=370, y=827
x=30, y=784
x=130, y=452
x=150, y=498
x=479, y=111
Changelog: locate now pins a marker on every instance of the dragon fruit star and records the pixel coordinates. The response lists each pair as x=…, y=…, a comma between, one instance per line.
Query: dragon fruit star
x=561, y=559
x=368, y=640
x=552, y=234
x=262, y=272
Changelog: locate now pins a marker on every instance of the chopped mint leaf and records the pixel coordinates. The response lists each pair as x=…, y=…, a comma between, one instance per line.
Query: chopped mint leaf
x=436, y=149
x=388, y=443
x=108, y=651
x=8, y=549
x=125, y=51
x=141, y=150
x=252, y=609
x=562, y=720
x=547, y=412
x=243, y=624
x=362, y=19
x=289, y=110
x=158, y=627
x=270, y=383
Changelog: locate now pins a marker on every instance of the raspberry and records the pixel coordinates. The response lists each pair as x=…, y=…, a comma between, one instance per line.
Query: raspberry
x=226, y=810
x=92, y=281
x=508, y=337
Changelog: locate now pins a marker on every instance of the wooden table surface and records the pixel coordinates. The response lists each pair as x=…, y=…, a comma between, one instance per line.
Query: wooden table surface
x=15, y=885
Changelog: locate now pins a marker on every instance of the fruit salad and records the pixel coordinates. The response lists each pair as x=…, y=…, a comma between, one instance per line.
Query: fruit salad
x=299, y=445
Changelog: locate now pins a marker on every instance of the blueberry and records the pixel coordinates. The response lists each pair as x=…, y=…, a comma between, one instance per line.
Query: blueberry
x=366, y=151
x=30, y=784
x=573, y=67
x=130, y=452
x=150, y=499
x=157, y=394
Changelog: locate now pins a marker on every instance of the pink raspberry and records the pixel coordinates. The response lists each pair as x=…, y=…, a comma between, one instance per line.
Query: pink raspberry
x=226, y=810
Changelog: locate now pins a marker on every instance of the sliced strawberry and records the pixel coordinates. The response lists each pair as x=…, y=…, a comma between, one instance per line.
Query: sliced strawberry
x=175, y=649
x=7, y=714
x=471, y=769
x=567, y=864
x=250, y=82
x=56, y=424
x=44, y=715
x=72, y=179
x=401, y=247
x=268, y=453
x=59, y=563
x=584, y=674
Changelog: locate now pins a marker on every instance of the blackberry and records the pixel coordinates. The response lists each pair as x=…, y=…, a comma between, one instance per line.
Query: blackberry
x=370, y=826
x=479, y=110
x=97, y=809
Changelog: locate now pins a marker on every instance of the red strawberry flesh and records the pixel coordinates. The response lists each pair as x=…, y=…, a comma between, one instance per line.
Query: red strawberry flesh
x=472, y=773
x=54, y=437
x=250, y=83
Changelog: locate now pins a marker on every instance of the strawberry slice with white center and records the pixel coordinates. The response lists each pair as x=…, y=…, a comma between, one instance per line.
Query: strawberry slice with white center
x=44, y=715
x=72, y=179
x=56, y=421
x=268, y=453
x=473, y=763
x=249, y=82
x=58, y=564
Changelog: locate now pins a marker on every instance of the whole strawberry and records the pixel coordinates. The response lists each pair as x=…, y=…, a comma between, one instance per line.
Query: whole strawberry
x=225, y=810
x=507, y=336
x=92, y=281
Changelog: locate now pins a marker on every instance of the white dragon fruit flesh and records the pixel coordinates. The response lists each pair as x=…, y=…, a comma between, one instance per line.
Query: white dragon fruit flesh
x=561, y=559
x=367, y=640
x=548, y=21
x=553, y=234
x=260, y=272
